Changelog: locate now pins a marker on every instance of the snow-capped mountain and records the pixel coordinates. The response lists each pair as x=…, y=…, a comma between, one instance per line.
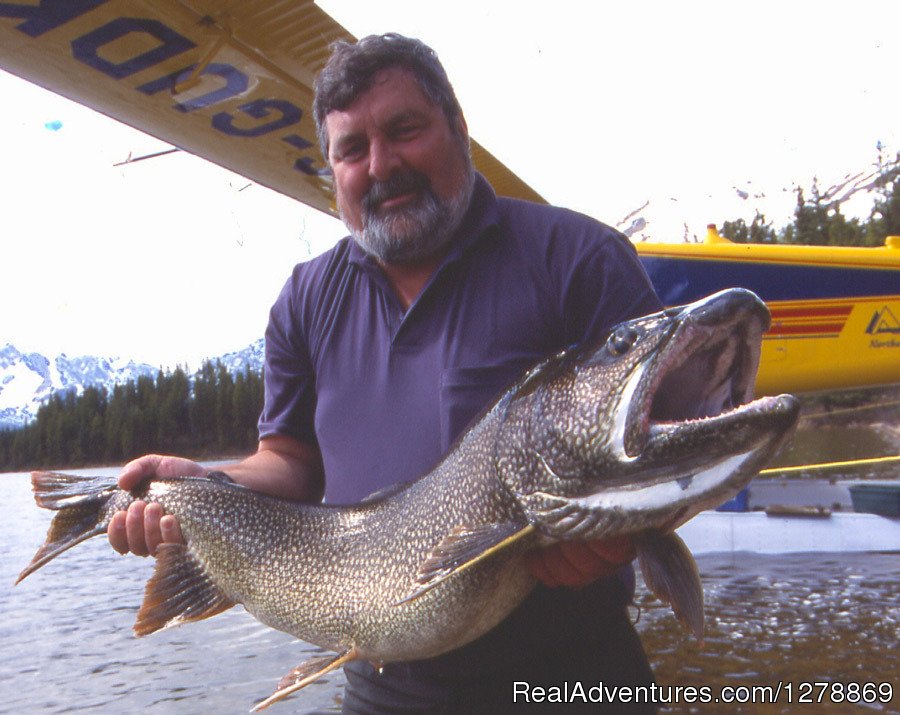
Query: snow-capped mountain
x=251, y=356
x=28, y=379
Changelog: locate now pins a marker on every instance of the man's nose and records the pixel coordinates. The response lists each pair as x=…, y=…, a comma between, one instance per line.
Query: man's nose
x=383, y=160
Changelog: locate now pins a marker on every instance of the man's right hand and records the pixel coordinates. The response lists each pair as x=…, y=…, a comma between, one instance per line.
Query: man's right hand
x=144, y=526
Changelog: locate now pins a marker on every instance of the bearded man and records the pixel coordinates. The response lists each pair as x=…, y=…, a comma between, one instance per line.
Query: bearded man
x=380, y=352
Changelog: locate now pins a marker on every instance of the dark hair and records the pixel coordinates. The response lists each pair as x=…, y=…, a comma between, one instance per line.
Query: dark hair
x=351, y=69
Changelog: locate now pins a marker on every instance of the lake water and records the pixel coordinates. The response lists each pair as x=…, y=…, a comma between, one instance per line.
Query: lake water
x=66, y=644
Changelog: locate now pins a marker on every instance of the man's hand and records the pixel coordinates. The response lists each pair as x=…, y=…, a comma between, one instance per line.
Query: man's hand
x=578, y=563
x=144, y=526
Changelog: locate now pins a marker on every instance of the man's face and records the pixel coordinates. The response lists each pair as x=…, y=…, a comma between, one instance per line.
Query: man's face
x=402, y=176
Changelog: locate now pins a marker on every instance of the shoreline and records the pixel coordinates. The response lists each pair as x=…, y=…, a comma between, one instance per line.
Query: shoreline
x=205, y=460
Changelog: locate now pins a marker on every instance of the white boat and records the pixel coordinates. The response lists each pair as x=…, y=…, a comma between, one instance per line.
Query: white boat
x=794, y=516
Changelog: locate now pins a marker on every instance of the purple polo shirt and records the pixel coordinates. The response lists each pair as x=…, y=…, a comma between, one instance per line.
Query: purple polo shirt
x=385, y=392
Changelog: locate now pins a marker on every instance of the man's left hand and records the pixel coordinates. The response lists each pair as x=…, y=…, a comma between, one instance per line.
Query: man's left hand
x=578, y=563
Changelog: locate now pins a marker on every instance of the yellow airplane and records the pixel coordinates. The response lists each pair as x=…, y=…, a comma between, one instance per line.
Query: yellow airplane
x=835, y=311
x=231, y=81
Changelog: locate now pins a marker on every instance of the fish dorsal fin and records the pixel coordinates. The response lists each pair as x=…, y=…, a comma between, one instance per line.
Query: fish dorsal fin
x=179, y=591
x=304, y=674
x=671, y=573
x=462, y=548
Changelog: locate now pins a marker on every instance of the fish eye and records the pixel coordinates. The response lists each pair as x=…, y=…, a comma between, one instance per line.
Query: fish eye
x=621, y=340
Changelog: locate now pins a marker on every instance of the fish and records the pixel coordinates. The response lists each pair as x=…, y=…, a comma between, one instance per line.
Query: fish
x=631, y=436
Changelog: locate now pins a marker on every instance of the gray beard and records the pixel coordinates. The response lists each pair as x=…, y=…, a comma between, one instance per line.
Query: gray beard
x=417, y=232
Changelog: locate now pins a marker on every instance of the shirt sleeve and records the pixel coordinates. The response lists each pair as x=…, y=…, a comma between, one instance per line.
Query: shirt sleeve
x=289, y=402
x=597, y=279
x=607, y=285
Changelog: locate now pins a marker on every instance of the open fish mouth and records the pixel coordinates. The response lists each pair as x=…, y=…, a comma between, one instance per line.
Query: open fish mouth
x=688, y=434
x=705, y=371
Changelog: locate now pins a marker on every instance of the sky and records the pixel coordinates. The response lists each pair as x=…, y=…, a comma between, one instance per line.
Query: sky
x=681, y=108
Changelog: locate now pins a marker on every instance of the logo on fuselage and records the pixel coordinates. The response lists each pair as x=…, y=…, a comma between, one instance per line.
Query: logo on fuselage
x=884, y=322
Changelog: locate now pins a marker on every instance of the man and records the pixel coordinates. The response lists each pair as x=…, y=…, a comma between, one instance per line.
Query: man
x=380, y=351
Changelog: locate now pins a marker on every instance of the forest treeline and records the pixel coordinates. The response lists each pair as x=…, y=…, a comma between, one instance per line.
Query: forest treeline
x=216, y=416
x=818, y=220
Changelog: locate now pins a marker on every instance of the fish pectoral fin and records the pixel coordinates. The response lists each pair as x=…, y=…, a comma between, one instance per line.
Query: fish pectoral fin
x=671, y=573
x=462, y=548
x=304, y=674
x=180, y=590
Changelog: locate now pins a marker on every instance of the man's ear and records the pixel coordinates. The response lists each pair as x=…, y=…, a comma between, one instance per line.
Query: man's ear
x=462, y=127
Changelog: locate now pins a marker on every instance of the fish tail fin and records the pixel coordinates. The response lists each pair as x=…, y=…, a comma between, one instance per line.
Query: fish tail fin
x=80, y=503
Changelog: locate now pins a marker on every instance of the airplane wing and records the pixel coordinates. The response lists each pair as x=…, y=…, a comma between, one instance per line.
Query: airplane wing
x=227, y=80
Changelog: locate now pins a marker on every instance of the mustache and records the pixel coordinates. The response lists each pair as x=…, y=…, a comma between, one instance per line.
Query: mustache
x=405, y=182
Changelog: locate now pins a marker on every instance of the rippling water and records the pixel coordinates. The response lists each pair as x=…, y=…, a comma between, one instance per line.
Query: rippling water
x=66, y=643
x=798, y=618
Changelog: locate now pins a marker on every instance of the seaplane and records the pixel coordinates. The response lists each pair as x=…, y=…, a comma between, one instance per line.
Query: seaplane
x=231, y=81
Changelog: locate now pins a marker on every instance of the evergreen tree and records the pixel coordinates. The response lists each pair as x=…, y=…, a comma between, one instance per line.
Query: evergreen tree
x=759, y=230
x=224, y=407
x=203, y=407
x=246, y=405
x=885, y=217
x=810, y=219
x=140, y=416
x=174, y=402
x=819, y=221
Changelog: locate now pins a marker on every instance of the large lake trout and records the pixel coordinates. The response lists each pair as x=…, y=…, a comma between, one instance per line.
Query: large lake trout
x=633, y=436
